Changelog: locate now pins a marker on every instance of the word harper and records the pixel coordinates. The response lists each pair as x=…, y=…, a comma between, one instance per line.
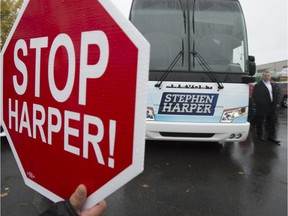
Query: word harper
x=36, y=120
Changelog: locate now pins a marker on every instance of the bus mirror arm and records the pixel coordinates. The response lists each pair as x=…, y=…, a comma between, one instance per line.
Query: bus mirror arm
x=248, y=79
x=251, y=65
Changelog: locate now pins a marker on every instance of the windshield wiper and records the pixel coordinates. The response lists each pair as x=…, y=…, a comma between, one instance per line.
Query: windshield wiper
x=184, y=15
x=206, y=67
x=171, y=66
x=163, y=77
x=210, y=73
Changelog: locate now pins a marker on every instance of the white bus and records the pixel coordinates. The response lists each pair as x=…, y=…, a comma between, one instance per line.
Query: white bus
x=199, y=69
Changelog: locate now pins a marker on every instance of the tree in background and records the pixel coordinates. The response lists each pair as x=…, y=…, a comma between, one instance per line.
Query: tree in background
x=9, y=11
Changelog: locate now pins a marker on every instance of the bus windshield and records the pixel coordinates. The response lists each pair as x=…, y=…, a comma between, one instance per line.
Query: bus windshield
x=180, y=30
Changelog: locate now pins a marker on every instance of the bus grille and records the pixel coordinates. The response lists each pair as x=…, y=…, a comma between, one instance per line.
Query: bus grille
x=193, y=135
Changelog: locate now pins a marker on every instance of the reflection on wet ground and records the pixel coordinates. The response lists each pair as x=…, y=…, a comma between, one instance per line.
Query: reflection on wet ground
x=247, y=178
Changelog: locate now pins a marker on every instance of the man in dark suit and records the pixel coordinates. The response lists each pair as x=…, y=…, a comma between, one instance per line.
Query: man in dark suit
x=264, y=96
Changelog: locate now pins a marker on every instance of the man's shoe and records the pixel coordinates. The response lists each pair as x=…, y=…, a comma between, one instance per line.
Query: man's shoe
x=277, y=142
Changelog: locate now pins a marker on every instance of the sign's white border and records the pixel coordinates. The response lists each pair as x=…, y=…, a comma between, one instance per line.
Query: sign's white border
x=140, y=109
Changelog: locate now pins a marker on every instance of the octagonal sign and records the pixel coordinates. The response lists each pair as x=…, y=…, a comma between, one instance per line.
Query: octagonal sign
x=74, y=97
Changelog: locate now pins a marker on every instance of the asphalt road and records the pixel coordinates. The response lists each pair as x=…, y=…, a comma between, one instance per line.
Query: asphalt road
x=182, y=178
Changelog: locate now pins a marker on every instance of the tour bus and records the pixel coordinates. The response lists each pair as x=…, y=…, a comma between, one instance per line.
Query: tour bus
x=199, y=69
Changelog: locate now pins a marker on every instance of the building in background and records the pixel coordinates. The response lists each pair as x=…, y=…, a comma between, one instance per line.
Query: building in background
x=278, y=69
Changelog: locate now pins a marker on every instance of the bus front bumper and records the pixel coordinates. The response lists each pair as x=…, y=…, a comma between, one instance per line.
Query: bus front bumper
x=206, y=132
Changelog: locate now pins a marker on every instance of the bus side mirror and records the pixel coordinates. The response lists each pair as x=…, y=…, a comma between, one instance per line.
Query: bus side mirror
x=251, y=65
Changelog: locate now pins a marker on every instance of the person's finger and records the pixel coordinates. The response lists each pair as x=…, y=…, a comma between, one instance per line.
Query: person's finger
x=78, y=198
x=96, y=210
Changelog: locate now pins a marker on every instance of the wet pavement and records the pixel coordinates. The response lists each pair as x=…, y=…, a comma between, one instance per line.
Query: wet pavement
x=182, y=178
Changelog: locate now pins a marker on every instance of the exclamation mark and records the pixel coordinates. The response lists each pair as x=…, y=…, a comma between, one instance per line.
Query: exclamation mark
x=112, y=132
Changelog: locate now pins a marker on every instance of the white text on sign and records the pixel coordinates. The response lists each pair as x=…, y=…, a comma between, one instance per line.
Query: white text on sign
x=87, y=71
x=19, y=118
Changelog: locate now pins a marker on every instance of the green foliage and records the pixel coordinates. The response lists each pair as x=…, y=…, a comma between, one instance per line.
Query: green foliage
x=9, y=11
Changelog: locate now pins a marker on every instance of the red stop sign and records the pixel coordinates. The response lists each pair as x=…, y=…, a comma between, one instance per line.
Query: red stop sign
x=74, y=88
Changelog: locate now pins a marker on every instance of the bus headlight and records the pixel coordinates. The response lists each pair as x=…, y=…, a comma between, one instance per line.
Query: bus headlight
x=150, y=113
x=231, y=114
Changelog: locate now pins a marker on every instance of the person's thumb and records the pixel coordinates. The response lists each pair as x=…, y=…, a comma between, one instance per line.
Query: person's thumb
x=78, y=198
